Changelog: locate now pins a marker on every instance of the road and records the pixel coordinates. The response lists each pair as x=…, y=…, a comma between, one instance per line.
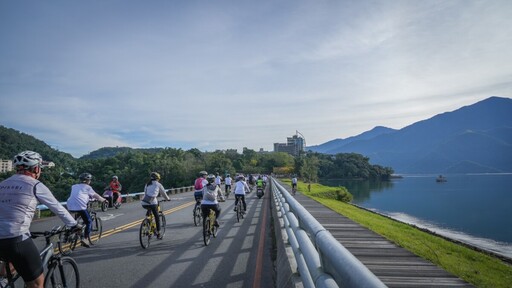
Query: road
x=240, y=256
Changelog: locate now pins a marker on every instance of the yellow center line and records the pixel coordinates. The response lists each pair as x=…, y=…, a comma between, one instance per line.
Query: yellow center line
x=130, y=225
x=137, y=222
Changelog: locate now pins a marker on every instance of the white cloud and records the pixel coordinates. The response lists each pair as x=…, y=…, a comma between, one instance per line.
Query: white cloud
x=229, y=75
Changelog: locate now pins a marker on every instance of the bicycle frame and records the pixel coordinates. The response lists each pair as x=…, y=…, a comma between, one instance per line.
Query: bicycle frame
x=47, y=255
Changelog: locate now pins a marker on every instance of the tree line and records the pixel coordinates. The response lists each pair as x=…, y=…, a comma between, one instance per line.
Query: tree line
x=178, y=167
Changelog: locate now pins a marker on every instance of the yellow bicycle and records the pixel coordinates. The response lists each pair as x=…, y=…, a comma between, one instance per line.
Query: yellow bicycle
x=148, y=227
x=209, y=228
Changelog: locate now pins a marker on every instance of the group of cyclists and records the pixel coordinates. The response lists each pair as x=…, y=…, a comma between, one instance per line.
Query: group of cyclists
x=208, y=194
x=20, y=194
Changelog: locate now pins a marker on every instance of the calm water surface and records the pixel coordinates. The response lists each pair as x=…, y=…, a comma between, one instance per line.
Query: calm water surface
x=472, y=208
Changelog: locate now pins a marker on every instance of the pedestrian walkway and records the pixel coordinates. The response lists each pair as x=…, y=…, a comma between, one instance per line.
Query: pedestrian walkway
x=393, y=265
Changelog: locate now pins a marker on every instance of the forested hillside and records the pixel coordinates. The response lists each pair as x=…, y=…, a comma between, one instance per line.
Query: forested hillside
x=178, y=167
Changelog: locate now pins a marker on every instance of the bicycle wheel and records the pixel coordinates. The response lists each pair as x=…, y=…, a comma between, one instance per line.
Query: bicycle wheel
x=104, y=206
x=62, y=275
x=96, y=229
x=206, y=231
x=197, y=215
x=214, y=230
x=238, y=210
x=67, y=243
x=145, y=233
x=162, y=223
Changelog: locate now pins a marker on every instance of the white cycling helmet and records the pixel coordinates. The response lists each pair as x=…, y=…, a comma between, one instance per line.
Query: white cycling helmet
x=28, y=159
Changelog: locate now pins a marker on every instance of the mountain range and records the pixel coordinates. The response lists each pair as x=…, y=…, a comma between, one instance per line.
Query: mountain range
x=472, y=139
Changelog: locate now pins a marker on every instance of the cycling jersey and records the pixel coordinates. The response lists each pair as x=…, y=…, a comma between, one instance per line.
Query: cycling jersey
x=152, y=191
x=241, y=187
x=18, y=201
x=227, y=181
x=80, y=195
x=213, y=190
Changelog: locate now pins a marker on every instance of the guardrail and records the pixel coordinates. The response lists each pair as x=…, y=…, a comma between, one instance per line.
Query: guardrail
x=322, y=261
x=42, y=207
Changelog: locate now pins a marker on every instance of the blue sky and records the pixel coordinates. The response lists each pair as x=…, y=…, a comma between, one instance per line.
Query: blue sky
x=81, y=75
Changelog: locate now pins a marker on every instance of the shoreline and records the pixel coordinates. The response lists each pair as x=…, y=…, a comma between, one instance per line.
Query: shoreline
x=465, y=239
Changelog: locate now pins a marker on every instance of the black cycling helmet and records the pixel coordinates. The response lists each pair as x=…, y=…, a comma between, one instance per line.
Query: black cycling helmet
x=85, y=176
x=155, y=176
x=210, y=178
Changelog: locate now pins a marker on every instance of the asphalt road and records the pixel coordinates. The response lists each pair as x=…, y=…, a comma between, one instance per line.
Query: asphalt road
x=240, y=256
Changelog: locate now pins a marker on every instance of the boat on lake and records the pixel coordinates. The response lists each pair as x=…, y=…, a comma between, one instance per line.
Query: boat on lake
x=441, y=178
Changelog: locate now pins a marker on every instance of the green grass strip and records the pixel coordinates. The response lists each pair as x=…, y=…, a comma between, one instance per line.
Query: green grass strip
x=477, y=268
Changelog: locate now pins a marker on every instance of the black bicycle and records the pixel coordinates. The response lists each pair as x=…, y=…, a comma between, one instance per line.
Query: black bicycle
x=67, y=243
x=198, y=216
x=239, y=208
x=62, y=271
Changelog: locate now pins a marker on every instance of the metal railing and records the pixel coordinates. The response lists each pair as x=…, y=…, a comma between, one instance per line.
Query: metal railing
x=322, y=261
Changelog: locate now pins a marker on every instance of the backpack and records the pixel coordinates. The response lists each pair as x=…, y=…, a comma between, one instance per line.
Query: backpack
x=198, y=185
x=209, y=194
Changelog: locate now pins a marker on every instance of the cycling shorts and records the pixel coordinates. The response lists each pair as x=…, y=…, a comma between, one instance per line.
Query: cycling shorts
x=23, y=255
x=198, y=195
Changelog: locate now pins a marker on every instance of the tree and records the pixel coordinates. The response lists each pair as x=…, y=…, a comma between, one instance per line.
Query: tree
x=309, y=169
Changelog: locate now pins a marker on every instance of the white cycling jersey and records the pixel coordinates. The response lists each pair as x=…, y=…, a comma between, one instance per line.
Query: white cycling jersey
x=80, y=195
x=18, y=201
x=241, y=188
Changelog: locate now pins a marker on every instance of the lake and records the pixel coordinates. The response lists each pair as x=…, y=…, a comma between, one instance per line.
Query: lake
x=472, y=208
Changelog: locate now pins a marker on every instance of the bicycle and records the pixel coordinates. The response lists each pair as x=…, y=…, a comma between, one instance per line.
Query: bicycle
x=62, y=271
x=227, y=191
x=294, y=190
x=239, y=208
x=198, y=216
x=67, y=243
x=148, y=226
x=209, y=228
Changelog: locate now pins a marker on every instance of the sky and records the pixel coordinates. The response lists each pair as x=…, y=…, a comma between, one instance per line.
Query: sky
x=81, y=75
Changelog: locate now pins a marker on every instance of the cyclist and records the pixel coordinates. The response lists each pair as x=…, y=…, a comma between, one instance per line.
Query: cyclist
x=240, y=189
x=211, y=193
x=218, y=180
x=80, y=196
x=116, y=187
x=227, y=183
x=294, y=182
x=199, y=184
x=19, y=195
x=152, y=189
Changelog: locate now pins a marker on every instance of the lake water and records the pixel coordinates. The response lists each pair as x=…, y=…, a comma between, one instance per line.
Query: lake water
x=473, y=208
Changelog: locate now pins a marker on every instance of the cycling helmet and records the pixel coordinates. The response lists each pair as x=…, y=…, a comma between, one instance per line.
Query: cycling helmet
x=203, y=173
x=227, y=175
x=155, y=176
x=85, y=176
x=28, y=159
x=115, y=177
x=210, y=178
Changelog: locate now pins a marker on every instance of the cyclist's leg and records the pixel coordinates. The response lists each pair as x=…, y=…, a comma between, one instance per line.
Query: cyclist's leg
x=243, y=202
x=25, y=258
x=87, y=221
x=236, y=202
x=217, y=214
x=154, y=210
x=205, y=210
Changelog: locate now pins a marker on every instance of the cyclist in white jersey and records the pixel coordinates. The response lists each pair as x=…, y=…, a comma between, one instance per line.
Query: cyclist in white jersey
x=241, y=188
x=19, y=195
x=78, y=200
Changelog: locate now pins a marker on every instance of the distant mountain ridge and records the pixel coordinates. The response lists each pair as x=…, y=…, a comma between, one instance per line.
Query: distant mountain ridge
x=473, y=139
